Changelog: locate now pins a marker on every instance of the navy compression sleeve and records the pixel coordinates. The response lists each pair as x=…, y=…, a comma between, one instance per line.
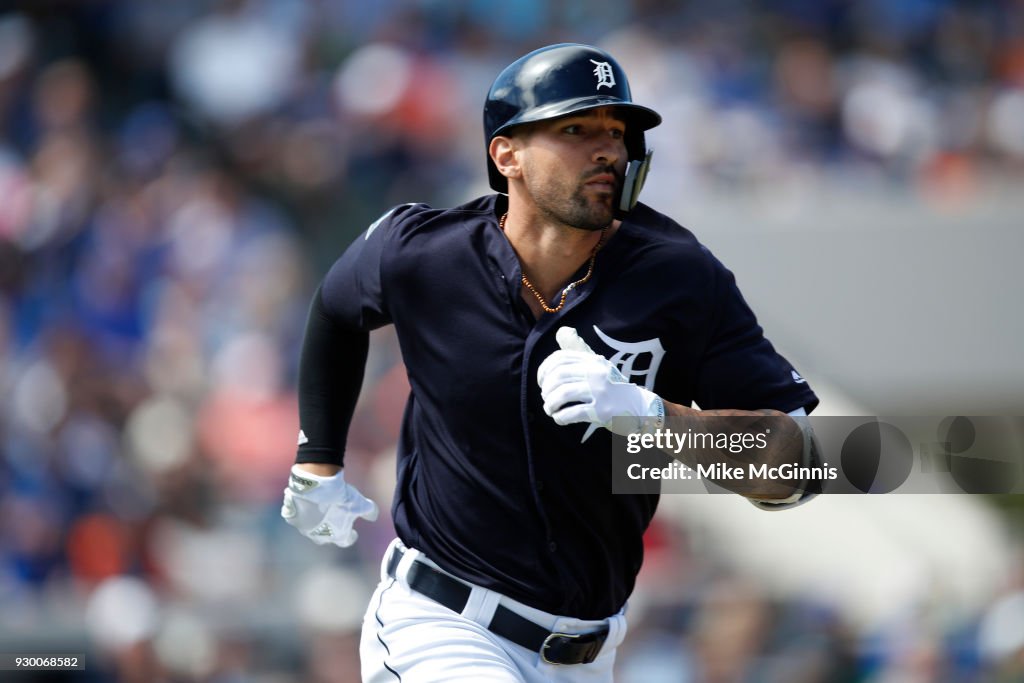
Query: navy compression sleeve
x=331, y=371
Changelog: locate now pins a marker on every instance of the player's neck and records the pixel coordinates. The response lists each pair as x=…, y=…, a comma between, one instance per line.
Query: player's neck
x=549, y=253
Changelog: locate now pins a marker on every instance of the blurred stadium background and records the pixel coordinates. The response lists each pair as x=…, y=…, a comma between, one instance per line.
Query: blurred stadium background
x=175, y=177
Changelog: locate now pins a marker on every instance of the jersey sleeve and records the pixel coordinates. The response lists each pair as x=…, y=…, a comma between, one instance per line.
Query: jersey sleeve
x=354, y=292
x=740, y=368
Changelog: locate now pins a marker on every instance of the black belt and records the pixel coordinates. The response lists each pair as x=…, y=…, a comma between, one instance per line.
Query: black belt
x=554, y=648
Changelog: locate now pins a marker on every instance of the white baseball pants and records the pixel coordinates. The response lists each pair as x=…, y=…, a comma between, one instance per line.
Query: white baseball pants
x=410, y=638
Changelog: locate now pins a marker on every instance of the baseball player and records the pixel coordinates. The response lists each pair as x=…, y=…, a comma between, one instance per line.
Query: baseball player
x=527, y=319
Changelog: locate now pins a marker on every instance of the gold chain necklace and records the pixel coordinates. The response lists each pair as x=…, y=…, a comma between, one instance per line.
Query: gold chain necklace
x=569, y=287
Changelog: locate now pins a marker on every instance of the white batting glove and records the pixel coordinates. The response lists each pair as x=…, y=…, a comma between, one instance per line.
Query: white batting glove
x=324, y=508
x=579, y=385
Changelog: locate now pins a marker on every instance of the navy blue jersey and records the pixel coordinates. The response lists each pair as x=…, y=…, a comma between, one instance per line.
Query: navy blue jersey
x=489, y=487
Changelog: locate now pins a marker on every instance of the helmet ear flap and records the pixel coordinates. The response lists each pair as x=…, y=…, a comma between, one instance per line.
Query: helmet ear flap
x=632, y=183
x=636, y=144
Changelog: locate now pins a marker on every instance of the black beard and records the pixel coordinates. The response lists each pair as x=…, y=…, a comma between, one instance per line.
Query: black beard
x=579, y=210
x=583, y=214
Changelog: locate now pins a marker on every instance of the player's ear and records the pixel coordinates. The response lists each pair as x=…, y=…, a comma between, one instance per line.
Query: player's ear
x=503, y=153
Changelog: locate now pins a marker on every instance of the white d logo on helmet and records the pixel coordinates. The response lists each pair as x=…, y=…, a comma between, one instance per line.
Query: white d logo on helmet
x=603, y=71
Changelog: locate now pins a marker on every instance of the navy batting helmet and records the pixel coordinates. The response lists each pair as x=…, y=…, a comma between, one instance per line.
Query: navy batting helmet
x=558, y=80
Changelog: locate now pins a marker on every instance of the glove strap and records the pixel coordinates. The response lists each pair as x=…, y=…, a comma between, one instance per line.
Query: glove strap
x=657, y=411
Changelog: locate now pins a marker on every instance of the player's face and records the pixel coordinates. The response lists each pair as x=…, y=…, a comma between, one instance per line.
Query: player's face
x=573, y=167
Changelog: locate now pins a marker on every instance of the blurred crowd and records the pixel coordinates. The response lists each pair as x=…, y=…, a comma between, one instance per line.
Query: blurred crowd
x=175, y=177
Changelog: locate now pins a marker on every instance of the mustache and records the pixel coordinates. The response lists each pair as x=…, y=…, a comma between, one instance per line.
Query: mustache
x=603, y=170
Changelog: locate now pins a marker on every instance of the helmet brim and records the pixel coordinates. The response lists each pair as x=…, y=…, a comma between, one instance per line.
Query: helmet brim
x=637, y=116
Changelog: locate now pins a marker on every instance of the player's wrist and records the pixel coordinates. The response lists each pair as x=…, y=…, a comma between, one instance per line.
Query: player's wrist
x=649, y=413
x=320, y=470
x=313, y=486
x=655, y=410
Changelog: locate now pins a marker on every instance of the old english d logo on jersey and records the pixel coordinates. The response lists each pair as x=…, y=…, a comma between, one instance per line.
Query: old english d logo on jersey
x=634, y=360
x=603, y=71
